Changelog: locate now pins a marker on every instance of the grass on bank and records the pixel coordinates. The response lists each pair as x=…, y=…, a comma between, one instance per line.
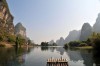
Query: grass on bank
x=84, y=47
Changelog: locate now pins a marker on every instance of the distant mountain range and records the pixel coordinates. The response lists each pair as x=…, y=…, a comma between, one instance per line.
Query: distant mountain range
x=60, y=42
x=82, y=34
x=73, y=35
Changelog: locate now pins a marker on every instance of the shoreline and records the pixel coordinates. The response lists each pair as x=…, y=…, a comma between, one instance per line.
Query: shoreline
x=84, y=47
x=12, y=45
x=51, y=46
x=6, y=45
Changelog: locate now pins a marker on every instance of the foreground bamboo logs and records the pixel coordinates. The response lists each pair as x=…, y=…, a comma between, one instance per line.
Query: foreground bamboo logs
x=57, y=62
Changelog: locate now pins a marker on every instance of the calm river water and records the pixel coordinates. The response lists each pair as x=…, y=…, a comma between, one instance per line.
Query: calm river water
x=37, y=56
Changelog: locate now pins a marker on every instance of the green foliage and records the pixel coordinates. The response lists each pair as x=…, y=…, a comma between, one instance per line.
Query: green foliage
x=11, y=38
x=29, y=42
x=3, y=35
x=6, y=37
x=74, y=43
x=66, y=45
x=95, y=39
x=82, y=44
x=44, y=43
x=54, y=44
x=20, y=41
x=1, y=38
x=89, y=43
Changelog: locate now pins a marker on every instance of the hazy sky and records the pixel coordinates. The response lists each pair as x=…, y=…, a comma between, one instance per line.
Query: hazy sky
x=51, y=19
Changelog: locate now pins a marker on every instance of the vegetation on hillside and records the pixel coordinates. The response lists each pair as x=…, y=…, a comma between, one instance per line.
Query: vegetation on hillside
x=93, y=40
x=6, y=37
x=11, y=39
x=20, y=41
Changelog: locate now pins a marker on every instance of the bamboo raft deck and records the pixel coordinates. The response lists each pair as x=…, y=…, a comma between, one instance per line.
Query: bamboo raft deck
x=57, y=62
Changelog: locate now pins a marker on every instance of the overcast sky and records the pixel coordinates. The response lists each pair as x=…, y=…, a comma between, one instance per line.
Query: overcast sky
x=51, y=19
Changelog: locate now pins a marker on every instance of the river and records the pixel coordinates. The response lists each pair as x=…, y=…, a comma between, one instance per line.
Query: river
x=37, y=56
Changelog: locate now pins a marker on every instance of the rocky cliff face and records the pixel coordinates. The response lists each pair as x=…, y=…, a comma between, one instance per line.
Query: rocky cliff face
x=96, y=27
x=86, y=31
x=20, y=30
x=6, y=19
x=73, y=36
x=60, y=42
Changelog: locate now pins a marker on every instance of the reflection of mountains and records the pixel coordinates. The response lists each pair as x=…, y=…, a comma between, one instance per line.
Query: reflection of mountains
x=96, y=57
x=74, y=55
x=61, y=50
x=52, y=49
x=85, y=55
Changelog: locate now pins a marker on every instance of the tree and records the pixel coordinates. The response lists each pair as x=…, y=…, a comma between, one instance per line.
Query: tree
x=44, y=43
x=83, y=44
x=74, y=43
x=89, y=43
x=29, y=42
x=54, y=44
x=66, y=46
x=1, y=38
x=20, y=41
x=96, y=41
x=11, y=38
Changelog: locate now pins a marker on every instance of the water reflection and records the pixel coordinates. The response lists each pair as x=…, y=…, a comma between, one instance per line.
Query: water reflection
x=12, y=57
x=96, y=57
x=48, y=48
x=87, y=57
x=44, y=48
x=61, y=50
x=37, y=56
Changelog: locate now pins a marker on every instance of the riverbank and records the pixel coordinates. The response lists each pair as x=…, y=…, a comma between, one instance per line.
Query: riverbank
x=84, y=47
x=6, y=45
x=11, y=45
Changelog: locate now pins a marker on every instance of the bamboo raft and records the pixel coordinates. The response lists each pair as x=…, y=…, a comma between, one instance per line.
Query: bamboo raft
x=57, y=62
